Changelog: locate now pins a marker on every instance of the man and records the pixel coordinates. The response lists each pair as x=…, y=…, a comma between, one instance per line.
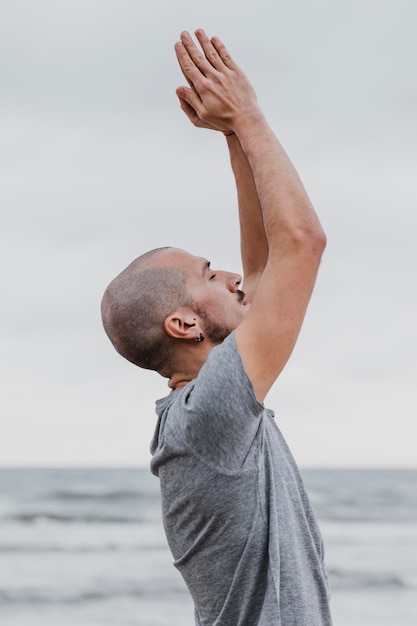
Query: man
x=236, y=514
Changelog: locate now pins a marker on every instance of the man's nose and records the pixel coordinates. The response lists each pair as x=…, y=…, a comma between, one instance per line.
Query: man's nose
x=233, y=281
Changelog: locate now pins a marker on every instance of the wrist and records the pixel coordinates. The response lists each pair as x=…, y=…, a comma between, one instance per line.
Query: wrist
x=247, y=121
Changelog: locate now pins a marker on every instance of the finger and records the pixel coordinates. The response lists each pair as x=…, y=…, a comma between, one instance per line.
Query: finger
x=189, y=111
x=223, y=53
x=188, y=67
x=195, y=54
x=189, y=81
x=178, y=53
x=209, y=50
x=190, y=97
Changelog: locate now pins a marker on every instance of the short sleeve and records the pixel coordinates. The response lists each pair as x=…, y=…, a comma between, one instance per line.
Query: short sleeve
x=221, y=416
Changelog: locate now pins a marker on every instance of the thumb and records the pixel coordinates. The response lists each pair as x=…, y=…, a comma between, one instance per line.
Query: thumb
x=189, y=111
x=190, y=97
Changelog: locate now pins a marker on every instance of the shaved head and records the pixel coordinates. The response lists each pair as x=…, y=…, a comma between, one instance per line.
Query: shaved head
x=135, y=306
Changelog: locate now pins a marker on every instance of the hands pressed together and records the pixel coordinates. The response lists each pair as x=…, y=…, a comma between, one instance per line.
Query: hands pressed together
x=219, y=95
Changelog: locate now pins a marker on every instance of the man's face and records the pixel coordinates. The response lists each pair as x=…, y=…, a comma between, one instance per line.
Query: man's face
x=215, y=294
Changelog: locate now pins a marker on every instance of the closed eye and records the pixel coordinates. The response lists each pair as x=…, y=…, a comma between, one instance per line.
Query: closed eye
x=212, y=276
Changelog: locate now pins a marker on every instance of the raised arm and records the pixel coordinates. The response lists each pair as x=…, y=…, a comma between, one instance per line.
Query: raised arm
x=296, y=241
x=253, y=241
x=222, y=97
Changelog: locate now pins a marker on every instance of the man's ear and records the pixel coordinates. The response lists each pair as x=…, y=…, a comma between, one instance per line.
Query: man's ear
x=183, y=324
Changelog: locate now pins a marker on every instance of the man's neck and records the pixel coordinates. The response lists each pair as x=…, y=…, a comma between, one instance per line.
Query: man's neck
x=179, y=380
x=195, y=360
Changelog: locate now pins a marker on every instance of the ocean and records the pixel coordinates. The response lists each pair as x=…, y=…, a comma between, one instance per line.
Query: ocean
x=86, y=547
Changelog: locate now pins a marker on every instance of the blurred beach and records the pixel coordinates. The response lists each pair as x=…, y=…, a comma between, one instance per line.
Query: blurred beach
x=99, y=165
x=86, y=547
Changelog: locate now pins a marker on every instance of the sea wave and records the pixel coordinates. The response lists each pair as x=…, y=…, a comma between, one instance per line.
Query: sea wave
x=39, y=517
x=21, y=548
x=63, y=595
x=342, y=579
x=103, y=496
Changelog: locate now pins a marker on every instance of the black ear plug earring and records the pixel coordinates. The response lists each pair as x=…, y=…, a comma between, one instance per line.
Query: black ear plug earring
x=199, y=338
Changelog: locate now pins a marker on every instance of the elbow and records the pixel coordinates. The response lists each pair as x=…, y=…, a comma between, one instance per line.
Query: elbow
x=306, y=239
x=319, y=240
x=312, y=240
x=315, y=245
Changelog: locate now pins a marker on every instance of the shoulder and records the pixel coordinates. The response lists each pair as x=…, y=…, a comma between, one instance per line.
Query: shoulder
x=223, y=378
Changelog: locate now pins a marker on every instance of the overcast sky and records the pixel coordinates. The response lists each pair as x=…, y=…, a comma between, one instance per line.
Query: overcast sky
x=98, y=164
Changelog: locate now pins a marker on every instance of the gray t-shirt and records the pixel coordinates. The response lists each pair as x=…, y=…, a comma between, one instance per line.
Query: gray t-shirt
x=236, y=514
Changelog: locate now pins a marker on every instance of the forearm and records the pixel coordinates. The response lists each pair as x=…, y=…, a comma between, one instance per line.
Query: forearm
x=221, y=97
x=288, y=215
x=253, y=241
